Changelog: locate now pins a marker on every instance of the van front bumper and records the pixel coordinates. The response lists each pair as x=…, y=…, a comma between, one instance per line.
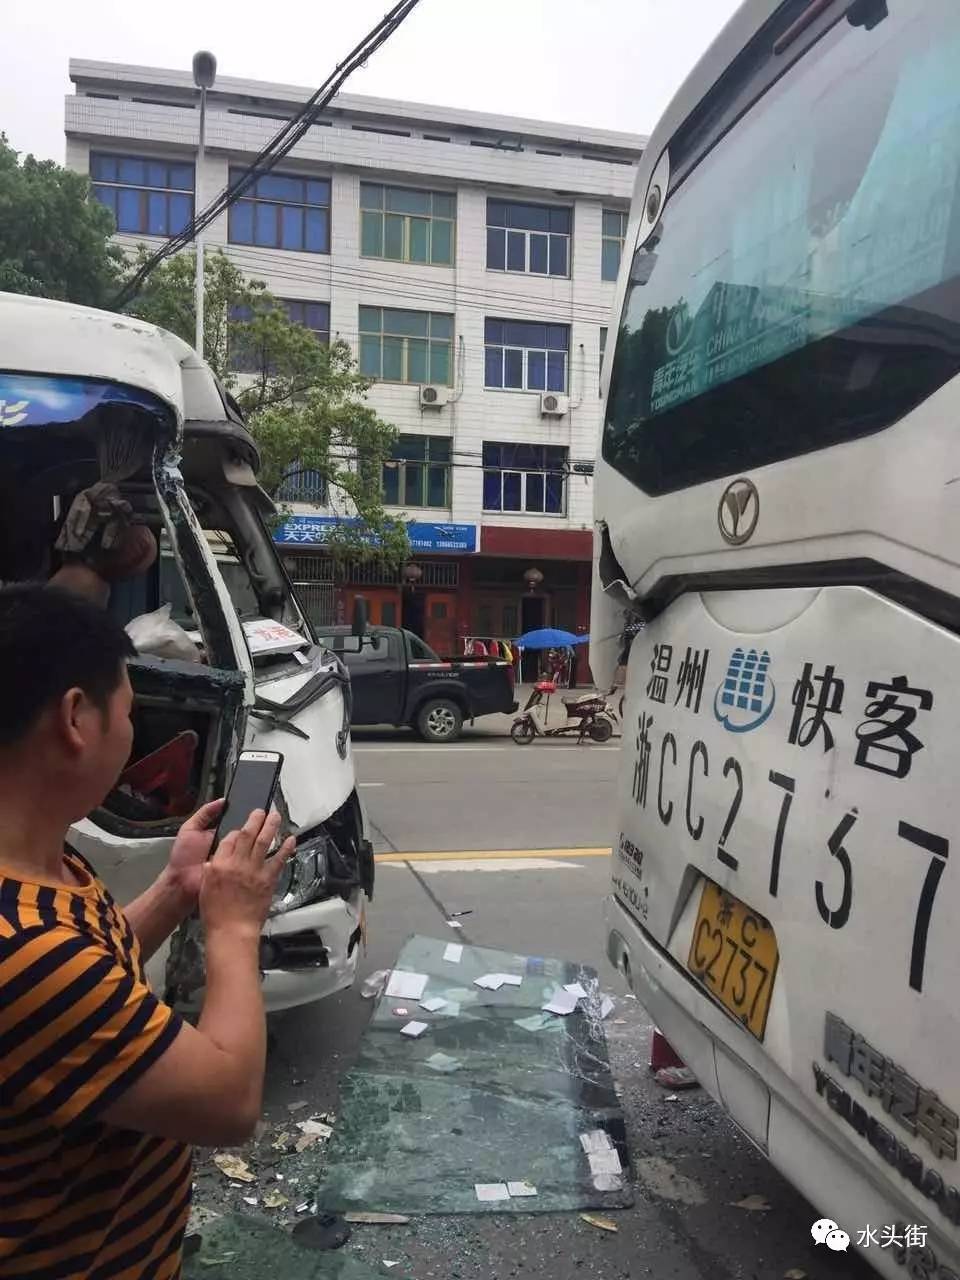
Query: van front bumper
x=311, y=952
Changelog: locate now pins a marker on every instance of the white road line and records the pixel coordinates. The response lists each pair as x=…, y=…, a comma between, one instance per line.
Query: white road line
x=489, y=864
x=371, y=784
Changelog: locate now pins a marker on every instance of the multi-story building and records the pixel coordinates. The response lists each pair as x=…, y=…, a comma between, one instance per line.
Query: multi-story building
x=468, y=258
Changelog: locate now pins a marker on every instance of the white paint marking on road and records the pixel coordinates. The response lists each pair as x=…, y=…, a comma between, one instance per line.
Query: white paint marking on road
x=490, y=864
x=371, y=784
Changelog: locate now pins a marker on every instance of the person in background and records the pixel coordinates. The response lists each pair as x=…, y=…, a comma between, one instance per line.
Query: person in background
x=102, y=1086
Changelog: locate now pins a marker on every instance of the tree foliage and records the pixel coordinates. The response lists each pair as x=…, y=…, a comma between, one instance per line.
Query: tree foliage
x=305, y=403
x=54, y=240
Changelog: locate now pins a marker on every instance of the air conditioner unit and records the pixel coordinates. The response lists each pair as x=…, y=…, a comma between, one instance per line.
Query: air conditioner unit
x=434, y=397
x=553, y=405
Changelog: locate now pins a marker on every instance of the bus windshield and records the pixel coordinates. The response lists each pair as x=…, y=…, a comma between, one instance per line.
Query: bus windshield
x=802, y=287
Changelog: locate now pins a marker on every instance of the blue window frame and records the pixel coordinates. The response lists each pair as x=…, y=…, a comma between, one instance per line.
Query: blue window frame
x=315, y=316
x=524, y=477
x=147, y=197
x=522, y=355
x=282, y=211
x=532, y=238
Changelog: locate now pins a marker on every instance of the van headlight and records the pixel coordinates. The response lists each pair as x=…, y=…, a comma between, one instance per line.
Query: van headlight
x=304, y=876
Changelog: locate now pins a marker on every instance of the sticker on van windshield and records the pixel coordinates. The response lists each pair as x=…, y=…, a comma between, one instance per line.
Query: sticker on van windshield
x=30, y=400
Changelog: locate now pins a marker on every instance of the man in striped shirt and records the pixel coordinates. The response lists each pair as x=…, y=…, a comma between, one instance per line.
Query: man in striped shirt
x=102, y=1087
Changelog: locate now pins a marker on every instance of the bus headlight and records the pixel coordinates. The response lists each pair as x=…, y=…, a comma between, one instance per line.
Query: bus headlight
x=304, y=877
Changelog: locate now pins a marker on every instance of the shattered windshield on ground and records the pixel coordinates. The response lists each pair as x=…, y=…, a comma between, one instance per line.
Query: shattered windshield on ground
x=482, y=1085
x=465, y=1097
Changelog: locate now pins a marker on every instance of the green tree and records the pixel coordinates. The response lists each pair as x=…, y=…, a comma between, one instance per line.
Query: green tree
x=54, y=240
x=305, y=403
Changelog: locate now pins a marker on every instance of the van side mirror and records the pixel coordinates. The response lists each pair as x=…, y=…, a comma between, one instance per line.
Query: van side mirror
x=361, y=616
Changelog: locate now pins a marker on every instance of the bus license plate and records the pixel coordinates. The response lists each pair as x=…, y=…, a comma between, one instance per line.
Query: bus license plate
x=734, y=955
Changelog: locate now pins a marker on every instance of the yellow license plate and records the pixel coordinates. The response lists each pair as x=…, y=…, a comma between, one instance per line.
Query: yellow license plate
x=734, y=955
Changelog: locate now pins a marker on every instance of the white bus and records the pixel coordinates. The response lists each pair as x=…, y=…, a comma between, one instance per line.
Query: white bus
x=778, y=563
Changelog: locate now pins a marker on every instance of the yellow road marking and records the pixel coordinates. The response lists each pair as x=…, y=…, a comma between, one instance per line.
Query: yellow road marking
x=480, y=855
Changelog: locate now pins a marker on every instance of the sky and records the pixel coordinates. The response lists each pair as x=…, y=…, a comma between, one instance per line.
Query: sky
x=608, y=63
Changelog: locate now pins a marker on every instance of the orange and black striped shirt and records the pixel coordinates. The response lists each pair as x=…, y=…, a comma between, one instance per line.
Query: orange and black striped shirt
x=78, y=1025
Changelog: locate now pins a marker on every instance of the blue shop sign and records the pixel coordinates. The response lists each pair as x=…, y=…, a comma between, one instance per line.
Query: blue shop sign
x=423, y=535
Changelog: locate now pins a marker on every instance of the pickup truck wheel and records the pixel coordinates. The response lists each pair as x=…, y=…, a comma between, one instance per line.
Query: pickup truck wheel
x=440, y=720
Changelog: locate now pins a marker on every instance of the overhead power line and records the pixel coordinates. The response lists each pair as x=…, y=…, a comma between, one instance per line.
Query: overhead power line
x=279, y=145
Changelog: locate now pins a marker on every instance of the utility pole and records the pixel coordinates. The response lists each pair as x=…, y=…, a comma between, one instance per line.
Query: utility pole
x=204, y=74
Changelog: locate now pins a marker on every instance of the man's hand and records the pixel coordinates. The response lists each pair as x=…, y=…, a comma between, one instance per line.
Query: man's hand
x=173, y=895
x=239, y=881
x=208, y=1084
x=191, y=849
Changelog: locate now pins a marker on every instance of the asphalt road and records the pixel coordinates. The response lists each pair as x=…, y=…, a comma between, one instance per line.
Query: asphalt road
x=542, y=816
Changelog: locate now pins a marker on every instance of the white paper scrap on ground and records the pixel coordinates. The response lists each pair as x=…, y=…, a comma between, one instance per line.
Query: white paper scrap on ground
x=510, y=979
x=454, y=924
x=562, y=1002
x=606, y=1006
x=414, y=1029
x=604, y=1162
x=489, y=981
x=596, y=1140
x=491, y=1190
x=608, y=1181
x=518, y=1189
x=453, y=952
x=406, y=986
x=576, y=989
x=433, y=1004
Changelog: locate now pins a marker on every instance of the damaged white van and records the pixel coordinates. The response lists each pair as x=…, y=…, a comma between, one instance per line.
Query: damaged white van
x=110, y=425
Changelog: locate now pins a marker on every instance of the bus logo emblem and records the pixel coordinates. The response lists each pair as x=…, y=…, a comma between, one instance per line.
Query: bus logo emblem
x=746, y=696
x=739, y=511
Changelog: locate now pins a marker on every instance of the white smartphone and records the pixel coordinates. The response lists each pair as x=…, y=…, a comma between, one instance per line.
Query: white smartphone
x=252, y=787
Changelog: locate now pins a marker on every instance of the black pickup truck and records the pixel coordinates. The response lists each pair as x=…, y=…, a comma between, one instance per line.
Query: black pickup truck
x=397, y=679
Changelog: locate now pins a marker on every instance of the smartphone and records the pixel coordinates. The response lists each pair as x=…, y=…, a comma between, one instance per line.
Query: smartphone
x=252, y=787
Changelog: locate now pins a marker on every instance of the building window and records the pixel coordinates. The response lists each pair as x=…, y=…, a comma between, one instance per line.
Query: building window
x=244, y=355
x=418, y=474
x=528, y=237
x=314, y=316
x=404, y=225
x=406, y=346
x=302, y=484
x=526, y=356
x=282, y=212
x=614, y=235
x=603, y=352
x=146, y=197
x=524, y=477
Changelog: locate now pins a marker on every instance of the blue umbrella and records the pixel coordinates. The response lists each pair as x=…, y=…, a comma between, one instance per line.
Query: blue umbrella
x=549, y=638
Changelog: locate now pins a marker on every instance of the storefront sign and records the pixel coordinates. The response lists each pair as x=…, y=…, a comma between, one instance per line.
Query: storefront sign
x=424, y=536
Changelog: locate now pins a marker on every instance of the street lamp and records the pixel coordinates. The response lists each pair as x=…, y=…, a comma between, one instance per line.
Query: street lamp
x=204, y=74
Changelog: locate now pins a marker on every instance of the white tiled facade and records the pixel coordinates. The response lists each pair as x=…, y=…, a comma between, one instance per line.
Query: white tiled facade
x=145, y=112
